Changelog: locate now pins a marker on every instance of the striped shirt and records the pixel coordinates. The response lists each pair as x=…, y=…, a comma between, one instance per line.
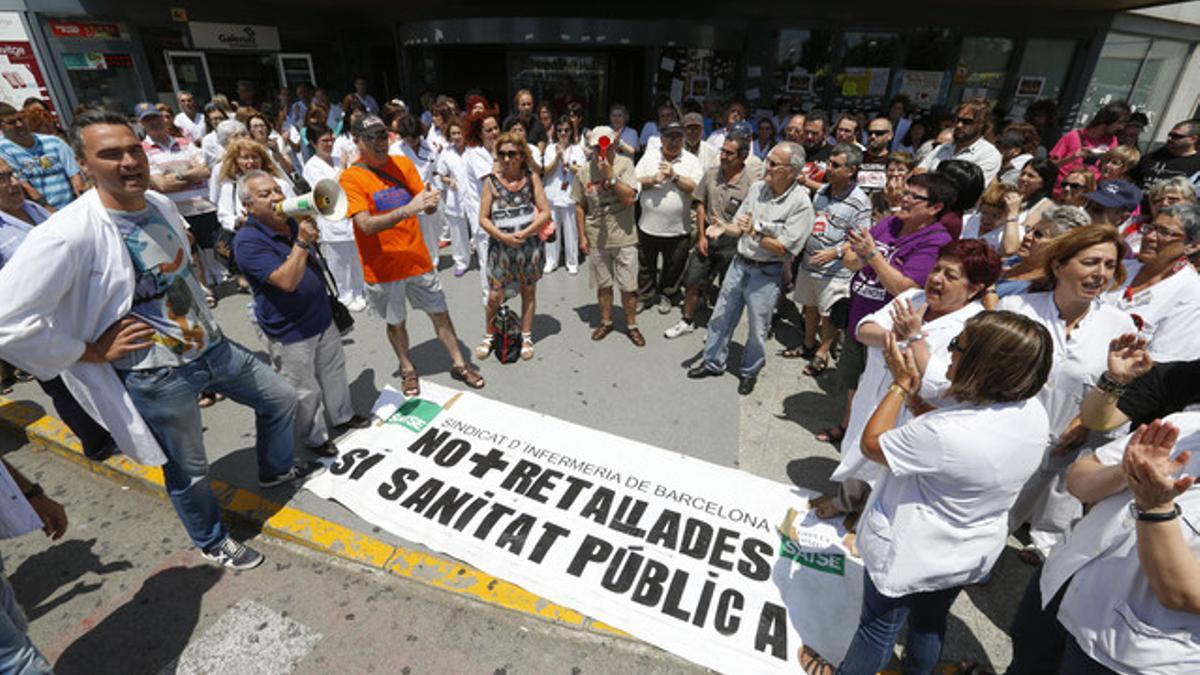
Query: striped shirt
x=47, y=165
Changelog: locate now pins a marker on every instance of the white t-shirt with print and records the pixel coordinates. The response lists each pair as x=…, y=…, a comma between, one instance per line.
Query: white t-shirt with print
x=666, y=209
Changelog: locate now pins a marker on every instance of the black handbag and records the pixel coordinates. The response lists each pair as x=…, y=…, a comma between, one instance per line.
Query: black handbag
x=342, y=318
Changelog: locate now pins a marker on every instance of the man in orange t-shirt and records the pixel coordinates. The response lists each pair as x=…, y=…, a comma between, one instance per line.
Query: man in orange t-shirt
x=385, y=195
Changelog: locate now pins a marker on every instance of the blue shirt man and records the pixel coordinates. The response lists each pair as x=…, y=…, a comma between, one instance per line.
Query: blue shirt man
x=283, y=316
x=44, y=162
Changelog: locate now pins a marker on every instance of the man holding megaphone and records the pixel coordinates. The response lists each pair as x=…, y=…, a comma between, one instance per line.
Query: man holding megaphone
x=385, y=195
x=291, y=307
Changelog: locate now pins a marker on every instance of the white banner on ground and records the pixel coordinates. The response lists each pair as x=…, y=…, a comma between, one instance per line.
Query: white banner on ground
x=679, y=552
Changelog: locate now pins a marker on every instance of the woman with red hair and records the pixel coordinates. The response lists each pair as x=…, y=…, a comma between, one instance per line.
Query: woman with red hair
x=924, y=321
x=483, y=128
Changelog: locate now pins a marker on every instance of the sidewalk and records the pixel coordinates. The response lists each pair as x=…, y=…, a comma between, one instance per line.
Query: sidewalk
x=642, y=394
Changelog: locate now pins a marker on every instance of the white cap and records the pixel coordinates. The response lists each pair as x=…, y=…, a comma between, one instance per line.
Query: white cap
x=599, y=132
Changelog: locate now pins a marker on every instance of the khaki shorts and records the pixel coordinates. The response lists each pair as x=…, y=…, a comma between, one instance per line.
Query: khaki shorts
x=618, y=265
x=820, y=293
x=388, y=299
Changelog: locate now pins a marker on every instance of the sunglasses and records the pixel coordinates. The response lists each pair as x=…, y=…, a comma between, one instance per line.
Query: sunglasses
x=965, y=121
x=508, y=154
x=876, y=132
x=1175, y=136
x=956, y=346
x=375, y=135
x=1074, y=186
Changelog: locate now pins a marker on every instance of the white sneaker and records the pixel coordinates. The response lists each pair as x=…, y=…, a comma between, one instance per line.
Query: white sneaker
x=548, y=269
x=681, y=328
x=572, y=269
x=357, y=305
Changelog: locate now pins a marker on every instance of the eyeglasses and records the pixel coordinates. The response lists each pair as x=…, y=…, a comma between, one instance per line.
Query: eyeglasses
x=965, y=121
x=1175, y=136
x=1161, y=231
x=956, y=346
x=508, y=154
x=564, y=130
x=915, y=197
x=375, y=135
x=1074, y=186
x=877, y=132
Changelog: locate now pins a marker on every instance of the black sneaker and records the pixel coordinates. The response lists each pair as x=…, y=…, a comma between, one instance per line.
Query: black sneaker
x=326, y=449
x=233, y=555
x=298, y=472
x=702, y=371
x=356, y=422
x=746, y=385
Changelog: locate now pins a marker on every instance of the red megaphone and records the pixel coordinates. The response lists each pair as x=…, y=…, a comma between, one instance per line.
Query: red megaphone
x=604, y=142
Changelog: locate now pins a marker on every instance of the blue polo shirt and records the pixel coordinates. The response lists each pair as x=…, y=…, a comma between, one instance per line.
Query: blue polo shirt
x=48, y=166
x=284, y=317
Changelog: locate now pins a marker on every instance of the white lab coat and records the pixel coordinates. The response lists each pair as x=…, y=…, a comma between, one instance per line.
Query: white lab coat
x=71, y=279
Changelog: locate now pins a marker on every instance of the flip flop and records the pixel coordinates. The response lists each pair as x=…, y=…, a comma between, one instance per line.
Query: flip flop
x=813, y=664
x=410, y=384
x=818, y=365
x=798, y=352
x=824, y=507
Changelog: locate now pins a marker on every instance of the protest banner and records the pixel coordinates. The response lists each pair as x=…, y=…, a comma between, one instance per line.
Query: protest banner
x=676, y=551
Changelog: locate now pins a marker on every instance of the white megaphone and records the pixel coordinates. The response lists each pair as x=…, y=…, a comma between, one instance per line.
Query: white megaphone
x=326, y=199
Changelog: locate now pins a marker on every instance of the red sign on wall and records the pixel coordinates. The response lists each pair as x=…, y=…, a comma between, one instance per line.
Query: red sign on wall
x=85, y=29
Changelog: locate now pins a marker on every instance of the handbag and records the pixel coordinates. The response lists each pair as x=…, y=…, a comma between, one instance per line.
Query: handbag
x=342, y=318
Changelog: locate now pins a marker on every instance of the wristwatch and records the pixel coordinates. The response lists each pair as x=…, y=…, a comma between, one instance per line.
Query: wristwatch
x=1154, y=517
x=1111, y=386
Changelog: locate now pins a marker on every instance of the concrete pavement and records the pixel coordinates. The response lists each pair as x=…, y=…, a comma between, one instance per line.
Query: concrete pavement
x=638, y=393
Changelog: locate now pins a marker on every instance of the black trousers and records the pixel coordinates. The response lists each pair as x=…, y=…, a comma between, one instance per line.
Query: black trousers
x=97, y=443
x=652, y=279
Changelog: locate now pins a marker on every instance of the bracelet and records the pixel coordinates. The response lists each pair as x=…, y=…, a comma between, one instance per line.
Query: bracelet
x=872, y=254
x=895, y=386
x=34, y=490
x=1150, y=517
x=908, y=341
x=1110, y=386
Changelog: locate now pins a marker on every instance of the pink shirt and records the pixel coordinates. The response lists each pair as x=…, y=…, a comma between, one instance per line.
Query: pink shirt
x=1073, y=141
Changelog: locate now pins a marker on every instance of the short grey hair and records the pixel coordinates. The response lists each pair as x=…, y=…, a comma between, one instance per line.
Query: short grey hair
x=228, y=129
x=795, y=153
x=1063, y=219
x=1188, y=216
x=243, y=181
x=1178, y=183
x=854, y=156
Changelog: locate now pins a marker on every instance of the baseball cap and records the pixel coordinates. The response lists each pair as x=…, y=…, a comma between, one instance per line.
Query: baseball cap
x=671, y=128
x=367, y=123
x=597, y=133
x=1116, y=193
x=143, y=110
x=693, y=119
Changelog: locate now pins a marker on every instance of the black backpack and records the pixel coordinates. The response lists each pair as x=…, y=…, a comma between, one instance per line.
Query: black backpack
x=506, y=335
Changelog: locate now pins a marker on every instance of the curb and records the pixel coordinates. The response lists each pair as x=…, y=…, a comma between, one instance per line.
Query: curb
x=284, y=522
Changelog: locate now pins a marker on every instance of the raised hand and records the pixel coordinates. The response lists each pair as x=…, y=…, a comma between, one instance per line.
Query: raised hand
x=1149, y=467
x=1128, y=358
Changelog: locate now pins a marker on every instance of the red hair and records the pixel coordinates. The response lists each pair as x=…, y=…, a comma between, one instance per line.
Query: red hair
x=474, y=125
x=980, y=262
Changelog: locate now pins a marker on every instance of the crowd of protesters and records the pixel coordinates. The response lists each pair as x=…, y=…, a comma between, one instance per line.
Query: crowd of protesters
x=1010, y=314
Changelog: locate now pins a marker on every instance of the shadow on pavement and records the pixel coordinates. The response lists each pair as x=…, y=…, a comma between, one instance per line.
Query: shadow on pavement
x=43, y=574
x=364, y=391
x=812, y=473
x=545, y=326
x=147, y=633
x=815, y=411
x=240, y=468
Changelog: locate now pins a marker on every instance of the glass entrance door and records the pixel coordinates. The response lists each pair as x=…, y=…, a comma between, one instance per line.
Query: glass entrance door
x=296, y=69
x=562, y=77
x=189, y=72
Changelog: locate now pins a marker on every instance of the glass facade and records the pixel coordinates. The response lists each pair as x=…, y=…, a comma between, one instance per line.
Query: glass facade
x=1140, y=69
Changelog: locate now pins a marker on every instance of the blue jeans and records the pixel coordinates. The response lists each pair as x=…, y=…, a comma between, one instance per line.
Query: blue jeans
x=166, y=399
x=881, y=621
x=18, y=655
x=756, y=289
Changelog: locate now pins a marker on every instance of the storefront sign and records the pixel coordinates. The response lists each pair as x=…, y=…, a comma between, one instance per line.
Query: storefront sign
x=88, y=61
x=86, y=29
x=239, y=36
x=679, y=552
x=20, y=75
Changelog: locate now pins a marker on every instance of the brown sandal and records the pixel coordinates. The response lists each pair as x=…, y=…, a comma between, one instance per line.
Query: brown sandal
x=602, y=331
x=824, y=506
x=410, y=384
x=813, y=664
x=469, y=377
x=636, y=337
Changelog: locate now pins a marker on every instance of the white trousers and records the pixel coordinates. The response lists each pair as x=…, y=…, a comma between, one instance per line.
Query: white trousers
x=346, y=269
x=566, y=239
x=460, y=240
x=431, y=232
x=316, y=367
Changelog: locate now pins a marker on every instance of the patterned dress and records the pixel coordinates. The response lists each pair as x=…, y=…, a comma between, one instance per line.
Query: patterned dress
x=512, y=211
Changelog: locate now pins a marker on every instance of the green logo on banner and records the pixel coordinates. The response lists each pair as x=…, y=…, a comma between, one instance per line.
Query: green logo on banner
x=829, y=563
x=415, y=414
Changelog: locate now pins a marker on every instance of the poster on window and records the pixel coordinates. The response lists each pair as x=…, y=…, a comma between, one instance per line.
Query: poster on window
x=20, y=75
x=678, y=552
x=922, y=87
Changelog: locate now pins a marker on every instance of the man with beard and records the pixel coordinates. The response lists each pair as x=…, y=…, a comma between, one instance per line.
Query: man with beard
x=816, y=151
x=971, y=126
x=872, y=175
